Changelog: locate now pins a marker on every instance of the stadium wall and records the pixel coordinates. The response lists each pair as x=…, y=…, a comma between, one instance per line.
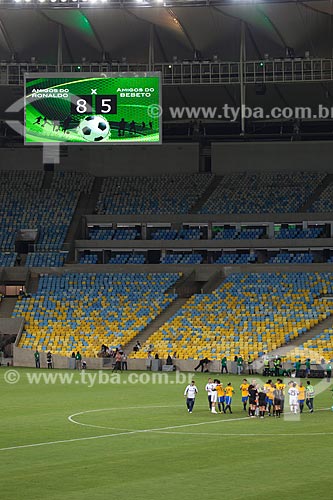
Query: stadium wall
x=272, y=156
x=25, y=357
x=110, y=160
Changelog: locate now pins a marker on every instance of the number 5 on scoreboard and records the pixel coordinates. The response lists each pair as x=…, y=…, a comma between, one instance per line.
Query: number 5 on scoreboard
x=106, y=104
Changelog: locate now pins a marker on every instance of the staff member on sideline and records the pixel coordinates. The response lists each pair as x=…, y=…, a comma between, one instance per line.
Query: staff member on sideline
x=190, y=392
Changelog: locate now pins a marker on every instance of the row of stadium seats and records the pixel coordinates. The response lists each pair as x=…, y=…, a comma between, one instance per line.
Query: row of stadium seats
x=318, y=348
x=291, y=233
x=292, y=258
x=234, y=234
x=151, y=195
x=172, y=234
x=46, y=259
x=262, y=193
x=72, y=181
x=7, y=259
x=114, y=234
x=246, y=314
x=81, y=311
x=197, y=258
x=195, y=233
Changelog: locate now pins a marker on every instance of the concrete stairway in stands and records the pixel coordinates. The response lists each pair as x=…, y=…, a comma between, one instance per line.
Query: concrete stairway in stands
x=316, y=193
x=210, y=189
x=47, y=180
x=85, y=206
x=7, y=306
x=282, y=351
x=155, y=324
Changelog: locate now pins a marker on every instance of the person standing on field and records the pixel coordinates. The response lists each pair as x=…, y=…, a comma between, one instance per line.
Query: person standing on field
x=49, y=360
x=224, y=366
x=37, y=359
x=209, y=389
x=309, y=395
x=190, y=393
x=78, y=360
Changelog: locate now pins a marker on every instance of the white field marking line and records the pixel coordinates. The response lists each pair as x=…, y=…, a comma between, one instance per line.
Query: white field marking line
x=138, y=431
x=90, y=438
x=71, y=419
x=262, y=434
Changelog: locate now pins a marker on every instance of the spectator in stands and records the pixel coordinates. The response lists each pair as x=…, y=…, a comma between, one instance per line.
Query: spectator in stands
x=124, y=361
x=73, y=355
x=49, y=360
x=78, y=359
x=37, y=359
x=157, y=356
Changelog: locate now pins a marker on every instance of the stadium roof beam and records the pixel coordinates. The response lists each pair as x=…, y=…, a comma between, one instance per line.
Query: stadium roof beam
x=74, y=4
x=258, y=72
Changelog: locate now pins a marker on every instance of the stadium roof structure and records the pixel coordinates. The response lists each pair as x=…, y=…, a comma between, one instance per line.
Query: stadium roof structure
x=181, y=29
x=180, y=32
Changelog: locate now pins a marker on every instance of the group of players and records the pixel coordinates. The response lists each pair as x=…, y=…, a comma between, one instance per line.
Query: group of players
x=258, y=400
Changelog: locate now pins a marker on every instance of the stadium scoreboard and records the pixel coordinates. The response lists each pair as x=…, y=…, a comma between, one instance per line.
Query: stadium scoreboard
x=122, y=108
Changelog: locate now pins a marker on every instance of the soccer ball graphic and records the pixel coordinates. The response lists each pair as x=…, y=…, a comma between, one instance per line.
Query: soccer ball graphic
x=94, y=128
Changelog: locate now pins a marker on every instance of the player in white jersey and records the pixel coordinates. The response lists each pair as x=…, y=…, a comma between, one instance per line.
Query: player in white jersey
x=209, y=389
x=293, y=397
x=190, y=392
x=213, y=397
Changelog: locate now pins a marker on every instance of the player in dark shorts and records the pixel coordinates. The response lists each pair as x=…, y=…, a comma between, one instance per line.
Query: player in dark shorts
x=277, y=402
x=262, y=402
x=253, y=394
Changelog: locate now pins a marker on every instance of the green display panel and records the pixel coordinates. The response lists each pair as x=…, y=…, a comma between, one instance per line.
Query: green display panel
x=93, y=109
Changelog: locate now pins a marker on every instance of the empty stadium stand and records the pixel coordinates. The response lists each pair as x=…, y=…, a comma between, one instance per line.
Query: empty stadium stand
x=151, y=195
x=251, y=193
x=246, y=314
x=81, y=311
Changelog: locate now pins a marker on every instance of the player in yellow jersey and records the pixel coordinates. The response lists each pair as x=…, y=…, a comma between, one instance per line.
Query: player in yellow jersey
x=220, y=396
x=301, y=396
x=244, y=387
x=229, y=391
x=270, y=398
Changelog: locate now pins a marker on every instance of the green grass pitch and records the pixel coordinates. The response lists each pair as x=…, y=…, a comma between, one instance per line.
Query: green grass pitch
x=139, y=442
